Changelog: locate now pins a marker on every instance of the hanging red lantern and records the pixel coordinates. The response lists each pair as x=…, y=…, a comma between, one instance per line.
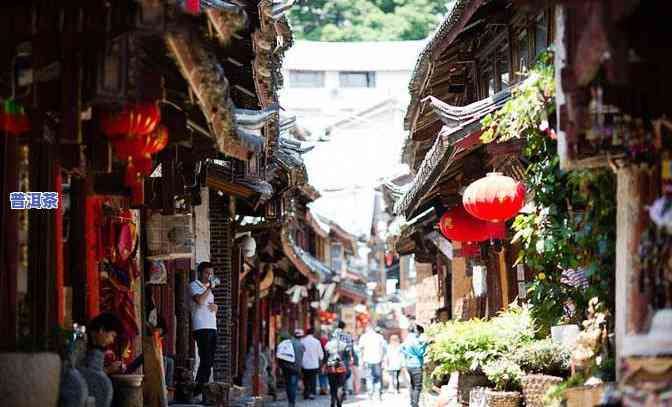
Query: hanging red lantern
x=139, y=119
x=456, y=224
x=141, y=145
x=494, y=198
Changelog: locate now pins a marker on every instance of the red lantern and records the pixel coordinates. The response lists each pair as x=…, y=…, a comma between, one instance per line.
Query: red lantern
x=141, y=145
x=494, y=198
x=456, y=224
x=137, y=119
x=13, y=118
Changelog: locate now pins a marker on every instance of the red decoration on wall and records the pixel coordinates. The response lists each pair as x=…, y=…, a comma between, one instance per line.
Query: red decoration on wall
x=13, y=118
x=456, y=224
x=494, y=198
x=93, y=219
x=193, y=6
x=138, y=119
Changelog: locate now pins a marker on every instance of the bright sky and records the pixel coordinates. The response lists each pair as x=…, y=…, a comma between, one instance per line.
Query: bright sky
x=346, y=169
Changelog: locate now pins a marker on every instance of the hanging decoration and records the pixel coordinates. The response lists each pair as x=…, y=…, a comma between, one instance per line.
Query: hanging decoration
x=136, y=119
x=494, y=198
x=296, y=293
x=136, y=136
x=458, y=225
x=13, y=118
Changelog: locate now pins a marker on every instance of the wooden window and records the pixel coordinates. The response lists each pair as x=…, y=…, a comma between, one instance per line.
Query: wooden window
x=357, y=79
x=336, y=256
x=503, y=70
x=522, y=51
x=306, y=79
x=540, y=33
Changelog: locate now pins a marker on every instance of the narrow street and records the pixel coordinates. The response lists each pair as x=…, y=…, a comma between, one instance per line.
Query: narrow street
x=360, y=400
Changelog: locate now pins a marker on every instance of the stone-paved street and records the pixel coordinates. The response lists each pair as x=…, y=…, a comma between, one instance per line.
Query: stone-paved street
x=389, y=400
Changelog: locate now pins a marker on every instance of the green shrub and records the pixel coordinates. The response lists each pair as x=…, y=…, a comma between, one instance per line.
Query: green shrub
x=504, y=373
x=543, y=356
x=466, y=346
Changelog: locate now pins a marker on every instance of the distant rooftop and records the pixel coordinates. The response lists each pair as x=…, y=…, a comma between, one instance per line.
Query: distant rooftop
x=353, y=56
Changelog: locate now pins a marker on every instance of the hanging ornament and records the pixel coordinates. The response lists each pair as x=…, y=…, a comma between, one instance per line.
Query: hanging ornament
x=138, y=119
x=494, y=198
x=456, y=224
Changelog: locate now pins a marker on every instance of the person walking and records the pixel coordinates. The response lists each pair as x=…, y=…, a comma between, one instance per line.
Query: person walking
x=324, y=381
x=373, y=346
x=312, y=357
x=290, y=358
x=337, y=353
x=351, y=360
x=204, y=322
x=393, y=362
x=414, y=350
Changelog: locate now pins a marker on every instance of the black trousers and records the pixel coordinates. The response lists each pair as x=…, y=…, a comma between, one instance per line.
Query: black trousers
x=309, y=378
x=416, y=385
x=206, y=339
x=336, y=388
x=394, y=375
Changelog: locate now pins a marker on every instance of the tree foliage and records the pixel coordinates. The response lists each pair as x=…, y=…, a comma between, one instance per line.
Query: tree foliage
x=366, y=20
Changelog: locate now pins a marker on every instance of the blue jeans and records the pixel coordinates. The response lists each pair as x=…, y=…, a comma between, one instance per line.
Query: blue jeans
x=374, y=378
x=291, y=384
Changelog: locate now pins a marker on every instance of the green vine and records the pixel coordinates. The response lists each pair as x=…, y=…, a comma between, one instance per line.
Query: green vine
x=574, y=218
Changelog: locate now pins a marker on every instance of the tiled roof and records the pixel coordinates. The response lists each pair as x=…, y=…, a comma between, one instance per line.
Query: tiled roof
x=458, y=136
x=450, y=26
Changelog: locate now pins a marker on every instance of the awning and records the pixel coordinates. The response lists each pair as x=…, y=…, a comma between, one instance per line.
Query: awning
x=221, y=178
x=309, y=266
x=459, y=135
x=356, y=292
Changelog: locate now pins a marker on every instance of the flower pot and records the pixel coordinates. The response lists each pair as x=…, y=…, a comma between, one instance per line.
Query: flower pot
x=29, y=379
x=535, y=387
x=466, y=382
x=485, y=397
x=502, y=398
x=584, y=396
x=127, y=390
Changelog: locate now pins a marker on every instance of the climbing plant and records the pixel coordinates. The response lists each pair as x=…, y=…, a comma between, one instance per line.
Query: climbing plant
x=572, y=225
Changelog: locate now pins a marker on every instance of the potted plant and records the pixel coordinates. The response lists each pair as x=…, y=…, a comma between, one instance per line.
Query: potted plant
x=467, y=346
x=545, y=363
x=506, y=376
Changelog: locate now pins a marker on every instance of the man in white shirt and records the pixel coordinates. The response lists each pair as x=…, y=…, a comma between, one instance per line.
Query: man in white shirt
x=373, y=351
x=204, y=321
x=312, y=357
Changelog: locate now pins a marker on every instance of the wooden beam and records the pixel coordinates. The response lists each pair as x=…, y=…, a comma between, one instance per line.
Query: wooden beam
x=504, y=278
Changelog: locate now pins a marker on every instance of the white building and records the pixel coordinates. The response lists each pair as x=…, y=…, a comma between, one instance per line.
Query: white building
x=353, y=96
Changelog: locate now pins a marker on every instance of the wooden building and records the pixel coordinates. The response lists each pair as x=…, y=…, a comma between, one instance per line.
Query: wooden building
x=465, y=72
x=208, y=80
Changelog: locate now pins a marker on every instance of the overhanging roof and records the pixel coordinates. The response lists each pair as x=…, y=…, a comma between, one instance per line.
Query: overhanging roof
x=308, y=265
x=459, y=135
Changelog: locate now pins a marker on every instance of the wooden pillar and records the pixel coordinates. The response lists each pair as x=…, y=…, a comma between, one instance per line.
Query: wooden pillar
x=9, y=242
x=504, y=278
x=256, y=384
x=242, y=328
x=633, y=194
x=461, y=283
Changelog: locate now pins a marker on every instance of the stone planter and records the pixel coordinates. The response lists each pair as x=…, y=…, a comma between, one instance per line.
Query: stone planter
x=29, y=379
x=127, y=390
x=535, y=387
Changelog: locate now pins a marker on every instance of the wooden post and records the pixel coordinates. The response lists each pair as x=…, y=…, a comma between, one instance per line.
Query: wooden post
x=9, y=243
x=632, y=194
x=256, y=383
x=504, y=278
x=242, y=349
